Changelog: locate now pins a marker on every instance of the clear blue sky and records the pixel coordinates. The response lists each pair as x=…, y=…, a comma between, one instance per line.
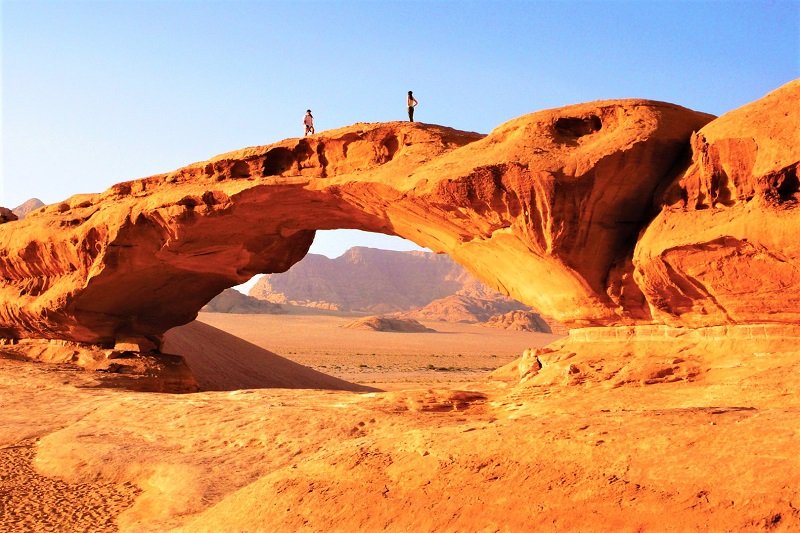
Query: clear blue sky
x=97, y=92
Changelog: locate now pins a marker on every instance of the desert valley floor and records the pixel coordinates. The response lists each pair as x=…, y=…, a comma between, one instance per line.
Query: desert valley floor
x=605, y=437
x=454, y=354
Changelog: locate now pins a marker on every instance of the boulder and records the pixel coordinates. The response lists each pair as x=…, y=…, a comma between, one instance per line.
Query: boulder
x=7, y=215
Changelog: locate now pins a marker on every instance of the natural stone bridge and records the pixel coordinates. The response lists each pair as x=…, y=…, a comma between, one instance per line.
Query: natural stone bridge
x=602, y=213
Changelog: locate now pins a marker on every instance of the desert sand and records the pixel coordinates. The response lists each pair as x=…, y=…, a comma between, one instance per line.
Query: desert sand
x=606, y=436
x=454, y=354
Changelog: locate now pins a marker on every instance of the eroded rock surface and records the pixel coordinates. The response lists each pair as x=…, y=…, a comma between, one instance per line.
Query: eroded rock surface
x=7, y=215
x=724, y=247
x=547, y=208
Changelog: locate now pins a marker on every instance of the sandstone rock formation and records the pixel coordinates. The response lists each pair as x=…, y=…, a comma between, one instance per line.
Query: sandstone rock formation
x=137, y=370
x=547, y=208
x=465, y=307
x=724, y=248
x=7, y=215
x=233, y=301
x=146, y=255
x=382, y=323
x=519, y=321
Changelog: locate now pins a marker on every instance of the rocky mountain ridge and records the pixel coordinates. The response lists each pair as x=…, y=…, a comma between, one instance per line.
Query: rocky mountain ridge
x=371, y=280
x=26, y=207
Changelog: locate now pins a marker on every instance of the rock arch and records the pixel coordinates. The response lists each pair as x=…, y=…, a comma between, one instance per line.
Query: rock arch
x=549, y=222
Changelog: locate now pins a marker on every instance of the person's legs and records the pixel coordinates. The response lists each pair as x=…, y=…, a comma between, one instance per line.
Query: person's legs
x=411, y=113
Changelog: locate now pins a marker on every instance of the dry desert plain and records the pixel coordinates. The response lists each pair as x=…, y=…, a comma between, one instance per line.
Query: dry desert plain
x=608, y=436
x=457, y=353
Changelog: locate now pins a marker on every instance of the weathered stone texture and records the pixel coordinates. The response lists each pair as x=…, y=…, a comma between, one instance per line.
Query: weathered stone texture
x=548, y=208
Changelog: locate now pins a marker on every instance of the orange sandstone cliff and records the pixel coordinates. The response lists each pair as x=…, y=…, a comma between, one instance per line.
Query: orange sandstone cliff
x=723, y=248
x=614, y=212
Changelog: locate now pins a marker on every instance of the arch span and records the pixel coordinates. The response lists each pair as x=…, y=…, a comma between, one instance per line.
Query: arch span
x=543, y=209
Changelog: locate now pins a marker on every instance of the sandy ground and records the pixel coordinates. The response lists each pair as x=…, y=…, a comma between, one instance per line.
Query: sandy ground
x=456, y=354
x=32, y=502
x=663, y=434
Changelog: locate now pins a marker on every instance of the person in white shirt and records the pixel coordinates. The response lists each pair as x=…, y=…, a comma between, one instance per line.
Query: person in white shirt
x=412, y=103
x=308, y=120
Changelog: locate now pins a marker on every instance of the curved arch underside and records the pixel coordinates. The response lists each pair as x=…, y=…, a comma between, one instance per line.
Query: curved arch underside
x=548, y=208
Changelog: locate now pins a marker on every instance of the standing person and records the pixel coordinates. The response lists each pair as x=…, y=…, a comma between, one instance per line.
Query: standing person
x=412, y=103
x=308, y=120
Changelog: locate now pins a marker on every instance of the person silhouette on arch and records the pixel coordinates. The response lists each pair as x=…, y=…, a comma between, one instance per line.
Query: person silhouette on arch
x=308, y=120
x=412, y=103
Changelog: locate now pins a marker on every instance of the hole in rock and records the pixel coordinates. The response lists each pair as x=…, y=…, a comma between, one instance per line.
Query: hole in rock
x=787, y=183
x=370, y=310
x=389, y=148
x=240, y=169
x=277, y=161
x=578, y=127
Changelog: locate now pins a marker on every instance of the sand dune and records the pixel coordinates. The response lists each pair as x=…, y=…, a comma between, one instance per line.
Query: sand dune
x=220, y=361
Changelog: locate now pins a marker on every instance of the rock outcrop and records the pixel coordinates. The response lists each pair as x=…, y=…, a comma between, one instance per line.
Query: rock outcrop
x=466, y=306
x=548, y=208
x=519, y=321
x=134, y=369
x=383, y=323
x=365, y=280
x=7, y=215
x=233, y=301
x=724, y=249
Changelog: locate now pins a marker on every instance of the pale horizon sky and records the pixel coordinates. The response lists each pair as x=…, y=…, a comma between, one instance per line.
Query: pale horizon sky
x=98, y=92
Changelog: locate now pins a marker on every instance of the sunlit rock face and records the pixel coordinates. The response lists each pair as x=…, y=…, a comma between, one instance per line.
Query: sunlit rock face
x=547, y=209
x=146, y=255
x=724, y=247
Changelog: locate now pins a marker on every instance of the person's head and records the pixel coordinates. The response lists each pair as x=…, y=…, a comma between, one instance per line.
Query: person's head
x=308, y=111
x=409, y=93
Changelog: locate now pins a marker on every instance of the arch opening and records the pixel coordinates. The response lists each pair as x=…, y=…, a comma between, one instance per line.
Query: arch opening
x=378, y=317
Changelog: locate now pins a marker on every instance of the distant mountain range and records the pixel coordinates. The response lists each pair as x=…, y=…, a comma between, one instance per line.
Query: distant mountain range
x=414, y=285
x=31, y=205
x=233, y=301
x=366, y=280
